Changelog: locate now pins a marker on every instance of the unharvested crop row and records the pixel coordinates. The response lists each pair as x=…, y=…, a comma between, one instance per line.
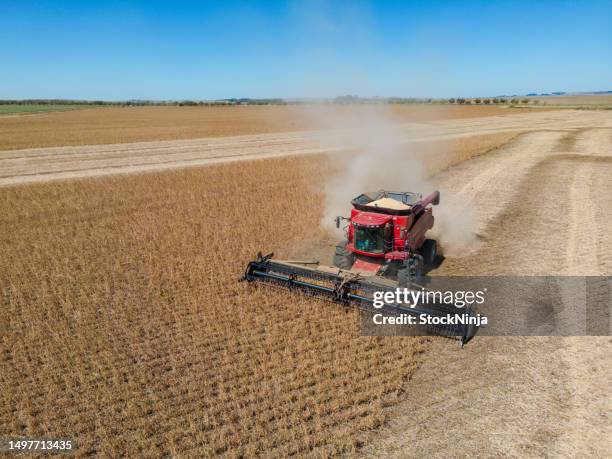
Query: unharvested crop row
x=128, y=331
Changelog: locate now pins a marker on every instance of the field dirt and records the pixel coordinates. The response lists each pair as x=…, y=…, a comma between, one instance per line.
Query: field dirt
x=43, y=164
x=136, y=124
x=544, y=209
x=128, y=331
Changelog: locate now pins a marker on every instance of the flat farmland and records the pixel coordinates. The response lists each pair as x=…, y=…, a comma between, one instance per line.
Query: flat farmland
x=126, y=328
x=347, y=128
x=127, y=317
x=582, y=100
x=112, y=125
x=29, y=109
x=543, y=204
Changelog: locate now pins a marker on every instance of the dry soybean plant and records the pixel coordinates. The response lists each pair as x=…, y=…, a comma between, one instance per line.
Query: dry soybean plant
x=124, y=327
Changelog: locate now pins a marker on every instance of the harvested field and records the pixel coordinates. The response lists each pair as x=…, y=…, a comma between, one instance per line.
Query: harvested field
x=136, y=124
x=544, y=209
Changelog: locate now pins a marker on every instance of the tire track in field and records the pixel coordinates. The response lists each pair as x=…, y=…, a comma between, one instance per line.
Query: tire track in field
x=488, y=184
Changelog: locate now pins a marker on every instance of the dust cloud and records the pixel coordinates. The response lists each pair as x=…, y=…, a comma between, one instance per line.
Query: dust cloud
x=455, y=225
x=382, y=158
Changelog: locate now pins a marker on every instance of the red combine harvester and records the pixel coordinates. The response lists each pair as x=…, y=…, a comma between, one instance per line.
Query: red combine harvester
x=386, y=235
x=385, y=248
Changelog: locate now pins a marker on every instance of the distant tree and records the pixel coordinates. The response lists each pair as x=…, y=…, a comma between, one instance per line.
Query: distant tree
x=514, y=101
x=524, y=101
x=486, y=101
x=451, y=100
x=503, y=101
x=477, y=100
x=461, y=100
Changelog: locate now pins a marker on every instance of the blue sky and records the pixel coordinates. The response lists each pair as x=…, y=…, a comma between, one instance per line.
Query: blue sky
x=219, y=49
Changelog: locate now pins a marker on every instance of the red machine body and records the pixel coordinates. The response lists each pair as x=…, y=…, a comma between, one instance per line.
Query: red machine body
x=388, y=230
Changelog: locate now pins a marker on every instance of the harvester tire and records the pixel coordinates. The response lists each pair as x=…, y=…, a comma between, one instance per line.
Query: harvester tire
x=410, y=272
x=403, y=277
x=343, y=258
x=429, y=251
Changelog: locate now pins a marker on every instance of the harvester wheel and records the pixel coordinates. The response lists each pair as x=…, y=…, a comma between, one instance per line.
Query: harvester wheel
x=429, y=251
x=411, y=271
x=403, y=276
x=343, y=258
x=415, y=264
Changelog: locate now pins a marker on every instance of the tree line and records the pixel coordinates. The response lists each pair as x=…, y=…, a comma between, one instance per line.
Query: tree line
x=124, y=103
x=343, y=100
